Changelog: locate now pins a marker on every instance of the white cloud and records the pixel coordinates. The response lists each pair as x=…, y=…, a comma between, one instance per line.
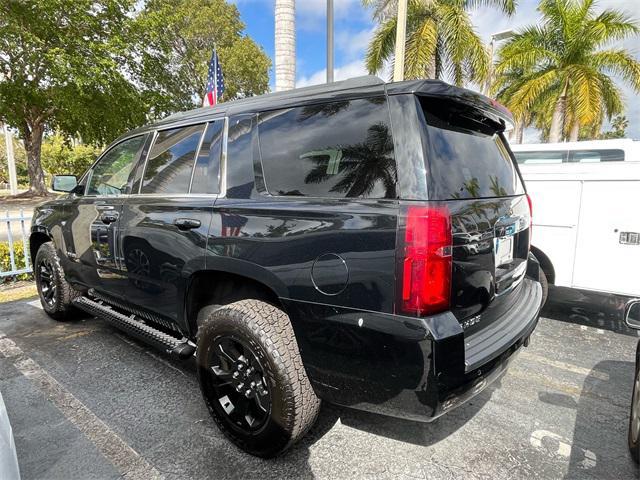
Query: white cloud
x=354, y=44
x=349, y=70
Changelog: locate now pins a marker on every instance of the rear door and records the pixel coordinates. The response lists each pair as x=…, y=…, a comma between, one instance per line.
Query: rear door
x=470, y=170
x=163, y=226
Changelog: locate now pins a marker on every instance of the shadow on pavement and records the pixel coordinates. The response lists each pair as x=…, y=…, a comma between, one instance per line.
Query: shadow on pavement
x=417, y=433
x=598, y=448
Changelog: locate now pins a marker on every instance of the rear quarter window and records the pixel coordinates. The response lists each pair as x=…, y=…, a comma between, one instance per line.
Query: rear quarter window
x=339, y=149
x=466, y=156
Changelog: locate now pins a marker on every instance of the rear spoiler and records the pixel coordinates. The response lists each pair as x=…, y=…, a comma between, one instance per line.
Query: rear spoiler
x=437, y=88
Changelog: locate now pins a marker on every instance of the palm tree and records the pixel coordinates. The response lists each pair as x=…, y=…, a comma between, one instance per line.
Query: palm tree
x=285, y=43
x=441, y=39
x=558, y=71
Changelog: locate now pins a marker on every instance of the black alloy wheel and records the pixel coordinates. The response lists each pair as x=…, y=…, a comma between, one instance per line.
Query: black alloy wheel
x=239, y=382
x=46, y=282
x=252, y=378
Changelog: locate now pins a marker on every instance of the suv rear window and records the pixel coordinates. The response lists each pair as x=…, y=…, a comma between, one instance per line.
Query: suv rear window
x=337, y=149
x=466, y=155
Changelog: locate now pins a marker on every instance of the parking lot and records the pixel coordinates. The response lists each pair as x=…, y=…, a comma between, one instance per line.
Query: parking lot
x=86, y=401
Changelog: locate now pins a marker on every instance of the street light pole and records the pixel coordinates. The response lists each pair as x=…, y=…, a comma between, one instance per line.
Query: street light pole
x=329, y=41
x=401, y=36
x=495, y=37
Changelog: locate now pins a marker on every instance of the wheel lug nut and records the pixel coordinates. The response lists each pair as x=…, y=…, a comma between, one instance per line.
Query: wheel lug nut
x=236, y=374
x=240, y=387
x=247, y=393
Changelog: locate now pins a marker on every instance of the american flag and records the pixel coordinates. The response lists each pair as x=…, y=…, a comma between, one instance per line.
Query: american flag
x=215, y=82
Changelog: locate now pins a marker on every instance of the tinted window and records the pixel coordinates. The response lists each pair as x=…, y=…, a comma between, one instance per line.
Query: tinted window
x=110, y=176
x=466, y=155
x=542, y=157
x=205, y=175
x=338, y=149
x=240, y=156
x=595, y=156
x=171, y=160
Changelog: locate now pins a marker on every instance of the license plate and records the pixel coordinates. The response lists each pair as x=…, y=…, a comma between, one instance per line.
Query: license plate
x=503, y=250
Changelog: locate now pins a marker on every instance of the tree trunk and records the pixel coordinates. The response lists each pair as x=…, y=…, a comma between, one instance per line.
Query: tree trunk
x=557, y=120
x=285, y=44
x=33, y=146
x=575, y=132
x=519, y=131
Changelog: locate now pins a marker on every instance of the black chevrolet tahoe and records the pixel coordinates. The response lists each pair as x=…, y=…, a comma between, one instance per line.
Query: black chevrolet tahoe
x=362, y=243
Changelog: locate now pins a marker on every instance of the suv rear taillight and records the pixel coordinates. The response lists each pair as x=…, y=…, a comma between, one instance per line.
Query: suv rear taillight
x=424, y=260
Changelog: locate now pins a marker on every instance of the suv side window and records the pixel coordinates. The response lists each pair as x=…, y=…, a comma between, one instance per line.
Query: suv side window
x=171, y=159
x=206, y=172
x=339, y=149
x=110, y=175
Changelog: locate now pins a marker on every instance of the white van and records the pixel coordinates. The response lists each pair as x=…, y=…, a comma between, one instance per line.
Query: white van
x=586, y=212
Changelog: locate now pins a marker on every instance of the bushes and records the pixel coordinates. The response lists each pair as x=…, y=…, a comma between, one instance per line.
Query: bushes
x=59, y=157
x=5, y=261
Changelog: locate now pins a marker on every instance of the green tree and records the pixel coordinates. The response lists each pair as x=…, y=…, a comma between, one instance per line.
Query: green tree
x=60, y=157
x=64, y=67
x=176, y=38
x=558, y=73
x=619, y=127
x=441, y=39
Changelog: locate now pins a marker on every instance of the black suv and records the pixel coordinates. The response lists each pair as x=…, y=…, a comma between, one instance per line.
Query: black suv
x=362, y=243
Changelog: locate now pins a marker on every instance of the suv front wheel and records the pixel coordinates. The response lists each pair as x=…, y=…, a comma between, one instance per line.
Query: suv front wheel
x=252, y=377
x=56, y=294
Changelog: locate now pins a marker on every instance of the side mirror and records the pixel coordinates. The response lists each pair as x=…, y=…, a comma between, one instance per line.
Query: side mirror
x=632, y=314
x=64, y=183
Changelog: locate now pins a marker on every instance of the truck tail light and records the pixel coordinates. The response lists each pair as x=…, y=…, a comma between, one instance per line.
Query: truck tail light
x=424, y=260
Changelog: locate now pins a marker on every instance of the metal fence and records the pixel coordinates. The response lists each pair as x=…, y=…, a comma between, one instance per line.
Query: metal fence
x=19, y=261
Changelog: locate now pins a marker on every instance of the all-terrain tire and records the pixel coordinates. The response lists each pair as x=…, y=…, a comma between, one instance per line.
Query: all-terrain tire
x=60, y=304
x=294, y=405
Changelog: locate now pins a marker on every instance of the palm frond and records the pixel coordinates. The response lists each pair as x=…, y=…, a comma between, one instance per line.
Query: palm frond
x=620, y=63
x=381, y=46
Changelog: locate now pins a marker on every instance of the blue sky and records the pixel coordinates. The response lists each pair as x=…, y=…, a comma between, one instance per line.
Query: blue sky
x=353, y=29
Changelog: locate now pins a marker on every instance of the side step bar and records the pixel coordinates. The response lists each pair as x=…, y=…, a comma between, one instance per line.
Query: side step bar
x=181, y=347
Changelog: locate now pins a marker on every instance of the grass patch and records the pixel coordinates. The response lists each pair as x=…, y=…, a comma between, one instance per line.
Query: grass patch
x=21, y=292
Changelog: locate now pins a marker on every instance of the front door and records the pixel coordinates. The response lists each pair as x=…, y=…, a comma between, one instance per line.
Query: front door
x=91, y=232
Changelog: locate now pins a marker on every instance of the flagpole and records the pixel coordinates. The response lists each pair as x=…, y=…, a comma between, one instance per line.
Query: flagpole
x=215, y=74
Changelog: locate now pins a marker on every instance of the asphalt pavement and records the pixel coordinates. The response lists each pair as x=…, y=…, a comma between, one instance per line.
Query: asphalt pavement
x=86, y=401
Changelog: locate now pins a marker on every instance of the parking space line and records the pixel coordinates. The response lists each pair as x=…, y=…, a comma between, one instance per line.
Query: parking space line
x=568, y=366
x=129, y=462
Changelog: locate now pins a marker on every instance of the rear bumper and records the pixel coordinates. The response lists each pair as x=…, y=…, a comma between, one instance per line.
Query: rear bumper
x=407, y=367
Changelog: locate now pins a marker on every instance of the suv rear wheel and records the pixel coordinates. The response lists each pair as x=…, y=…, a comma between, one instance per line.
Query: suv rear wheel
x=252, y=377
x=56, y=294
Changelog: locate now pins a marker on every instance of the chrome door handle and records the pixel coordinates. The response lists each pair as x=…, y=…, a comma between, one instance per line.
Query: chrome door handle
x=186, y=223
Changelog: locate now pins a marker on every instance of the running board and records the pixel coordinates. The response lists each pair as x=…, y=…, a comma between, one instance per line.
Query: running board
x=130, y=324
